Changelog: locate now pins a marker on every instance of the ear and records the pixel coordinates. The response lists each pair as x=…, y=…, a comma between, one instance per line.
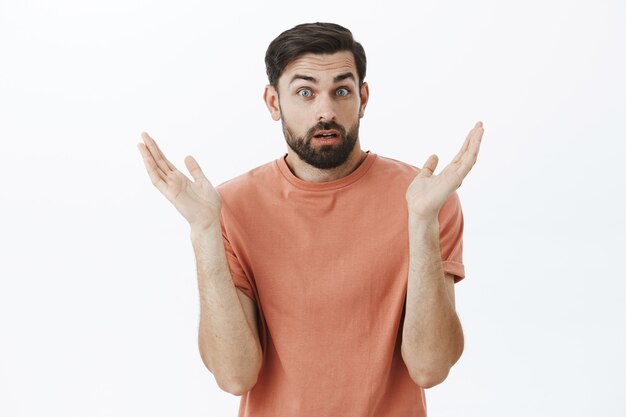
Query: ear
x=365, y=94
x=270, y=96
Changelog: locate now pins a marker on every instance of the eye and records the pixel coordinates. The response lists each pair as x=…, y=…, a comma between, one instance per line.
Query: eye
x=305, y=92
x=342, y=92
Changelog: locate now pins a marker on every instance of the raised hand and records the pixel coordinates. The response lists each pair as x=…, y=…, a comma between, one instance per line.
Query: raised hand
x=428, y=192
x=197, y=201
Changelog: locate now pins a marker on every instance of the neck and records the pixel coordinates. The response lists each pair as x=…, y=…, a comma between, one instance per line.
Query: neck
x=309, y=173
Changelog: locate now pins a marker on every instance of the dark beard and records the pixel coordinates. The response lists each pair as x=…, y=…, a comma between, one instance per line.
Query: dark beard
x=325, y=156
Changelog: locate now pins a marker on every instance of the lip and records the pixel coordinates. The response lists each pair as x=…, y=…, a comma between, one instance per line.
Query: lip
x=327, y=141
x=326, y=132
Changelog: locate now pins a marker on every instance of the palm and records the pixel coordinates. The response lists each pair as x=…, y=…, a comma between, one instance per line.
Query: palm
x=197, y=201
x=428, y=192
x=183, y=192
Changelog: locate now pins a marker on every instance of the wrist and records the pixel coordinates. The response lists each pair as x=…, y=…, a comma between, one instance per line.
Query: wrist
x=201, y=232
x=423, y=229
x=423, y=222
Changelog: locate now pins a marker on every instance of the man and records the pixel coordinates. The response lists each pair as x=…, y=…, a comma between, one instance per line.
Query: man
x=326, y=276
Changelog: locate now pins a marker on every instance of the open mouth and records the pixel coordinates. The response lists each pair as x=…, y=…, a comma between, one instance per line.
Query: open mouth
x=326, y=134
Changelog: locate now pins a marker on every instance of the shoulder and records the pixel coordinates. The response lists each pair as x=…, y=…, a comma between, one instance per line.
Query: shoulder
x=248, y=181
x=389, y=168
x=394, y=166
x=246, y=194
x=392, y=171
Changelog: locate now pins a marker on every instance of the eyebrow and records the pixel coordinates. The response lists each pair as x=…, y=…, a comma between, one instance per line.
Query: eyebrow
x=338, y=78
x=345, y=76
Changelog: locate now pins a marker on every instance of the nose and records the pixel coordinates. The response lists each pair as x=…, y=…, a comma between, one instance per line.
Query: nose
x=325, y=111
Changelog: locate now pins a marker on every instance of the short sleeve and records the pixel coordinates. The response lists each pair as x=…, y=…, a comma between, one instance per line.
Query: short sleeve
x=451, y=237
x=236, y=270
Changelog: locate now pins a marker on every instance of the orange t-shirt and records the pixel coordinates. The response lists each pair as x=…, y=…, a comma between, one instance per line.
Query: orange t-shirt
x=327, y=265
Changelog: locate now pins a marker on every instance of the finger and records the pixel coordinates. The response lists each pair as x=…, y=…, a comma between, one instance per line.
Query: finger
x=156, y=175
x=194, y=169
x=169, y=164
x=459, y=155
x=470, y=157
x=149, y=161
x=150, y=144
x=156, y=154
x=429, y=166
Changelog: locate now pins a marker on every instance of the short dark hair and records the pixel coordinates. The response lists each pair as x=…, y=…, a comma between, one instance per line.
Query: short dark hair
x=317, y=38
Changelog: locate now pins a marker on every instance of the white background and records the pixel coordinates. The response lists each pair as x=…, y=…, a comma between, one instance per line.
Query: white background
x=98, y=295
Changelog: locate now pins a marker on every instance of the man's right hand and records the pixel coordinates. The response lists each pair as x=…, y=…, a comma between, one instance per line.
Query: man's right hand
x=228, y=336
x=197, y=201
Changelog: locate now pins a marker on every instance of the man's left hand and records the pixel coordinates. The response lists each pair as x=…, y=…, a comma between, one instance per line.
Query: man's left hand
x=428, y=192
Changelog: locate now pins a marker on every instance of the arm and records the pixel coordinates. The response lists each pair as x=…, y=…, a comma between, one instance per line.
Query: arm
x=227, y=337
x=432, y=337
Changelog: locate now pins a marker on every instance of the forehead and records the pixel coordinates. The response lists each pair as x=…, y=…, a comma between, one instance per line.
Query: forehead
x=320, y=66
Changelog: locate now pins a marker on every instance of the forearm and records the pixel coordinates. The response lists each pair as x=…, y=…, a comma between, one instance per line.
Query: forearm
x=432, y=337
x=228, y=346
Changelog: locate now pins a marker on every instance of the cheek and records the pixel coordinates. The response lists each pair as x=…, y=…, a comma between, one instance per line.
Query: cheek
x=350, y=112
x=295, y=114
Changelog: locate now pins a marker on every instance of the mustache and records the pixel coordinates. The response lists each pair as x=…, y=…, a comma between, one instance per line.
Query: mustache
x=326, y=126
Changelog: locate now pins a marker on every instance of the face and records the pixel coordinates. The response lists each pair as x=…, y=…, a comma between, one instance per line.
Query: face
x=319, y=103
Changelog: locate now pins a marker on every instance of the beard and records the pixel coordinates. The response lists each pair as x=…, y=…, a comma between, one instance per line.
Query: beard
x=324, y=156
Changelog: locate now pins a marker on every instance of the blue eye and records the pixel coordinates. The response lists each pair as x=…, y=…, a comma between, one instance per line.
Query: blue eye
x=305, y=92
x=342, y=92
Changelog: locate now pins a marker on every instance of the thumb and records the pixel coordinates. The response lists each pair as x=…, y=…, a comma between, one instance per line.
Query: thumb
x=429, y=166
x=194, y=168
